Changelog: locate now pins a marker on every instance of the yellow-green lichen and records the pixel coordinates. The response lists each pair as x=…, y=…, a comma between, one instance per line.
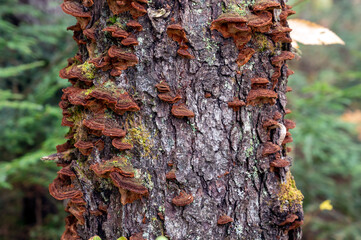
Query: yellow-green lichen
x=289, y=195
x=139, y=136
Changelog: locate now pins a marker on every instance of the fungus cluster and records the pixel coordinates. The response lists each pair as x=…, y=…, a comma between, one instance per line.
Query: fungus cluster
x=92, y=109
x=258, y=20
x=177, y=33
x=179, y=110
x=264, y=28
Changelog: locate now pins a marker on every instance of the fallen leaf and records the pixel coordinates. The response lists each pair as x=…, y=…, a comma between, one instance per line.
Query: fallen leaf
x=310, y=33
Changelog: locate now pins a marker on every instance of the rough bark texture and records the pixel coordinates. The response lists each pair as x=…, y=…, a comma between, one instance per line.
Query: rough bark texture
x=218, y=156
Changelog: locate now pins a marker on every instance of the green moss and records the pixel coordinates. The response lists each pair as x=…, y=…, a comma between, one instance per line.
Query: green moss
x=289, y=195
x=88, y=69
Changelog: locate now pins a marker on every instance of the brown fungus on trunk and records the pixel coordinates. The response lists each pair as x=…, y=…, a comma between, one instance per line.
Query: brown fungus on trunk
x=261, y=96
x=61, y=188
x=289, y=219
x=116, y=164
x=280, y=163
x=288, y=138
x=70, y=229
x=181, y=111
x=114, y=132
x=120, y=145
x=233, y=25
x=236, y=104
x=244, y=56
x=130, y=189
x=279, y=33
x=289, y=124
x=163, y=87
x=260, y=22
x=125, y=104
x=94, y=123
x=183, y=199
x=129, y=41
x=87, y=3
x=224, y=219
x=286, y=12
x=259, y=83
x=265, y=5
x=84, y=147
x=116, y=31
x=137, y=236
x=183, y=52
x=136, y=25
x=270, y=148
x=75, y=9
x=169, y=97
x=171, y=175
x=177, y=33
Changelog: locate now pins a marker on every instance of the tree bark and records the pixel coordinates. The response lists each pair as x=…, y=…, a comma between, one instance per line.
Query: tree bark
x=222, y=158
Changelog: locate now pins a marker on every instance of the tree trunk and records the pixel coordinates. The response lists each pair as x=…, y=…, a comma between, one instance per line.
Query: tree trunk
x=201, y=155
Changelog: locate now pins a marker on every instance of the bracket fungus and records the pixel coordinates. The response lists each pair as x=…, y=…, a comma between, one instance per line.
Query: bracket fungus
x=289, y=124
x=120, y=145
x=136, y=25
x=260, y=22
x=224, y=219
x=280, y=163
x=116, y=164
x=236, y=104
x=244, y=56
x=183, y=199
x=265, y=5
x=171, y=175
x=169, y=97
x=75, y=9
x=270, y=148
x=257, y=83
x=116, y=31
x=84, y=147
x=261, y=96
x=163, y=87
x=181, y=111
x=131, y=189
x=177, y=33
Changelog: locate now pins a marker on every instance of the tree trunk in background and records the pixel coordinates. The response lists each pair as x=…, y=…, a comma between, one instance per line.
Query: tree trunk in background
x=222, y=174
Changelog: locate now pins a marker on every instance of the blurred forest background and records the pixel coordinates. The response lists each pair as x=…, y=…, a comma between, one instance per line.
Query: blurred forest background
x=325, y=101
